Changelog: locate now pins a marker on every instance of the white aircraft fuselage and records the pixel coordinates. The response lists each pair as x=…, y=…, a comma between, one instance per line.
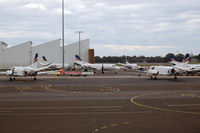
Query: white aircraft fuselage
x=103, y=66
x=22, y=71
x=163, y=70
x=111, y=67
x=132, y=66
x=58, y=66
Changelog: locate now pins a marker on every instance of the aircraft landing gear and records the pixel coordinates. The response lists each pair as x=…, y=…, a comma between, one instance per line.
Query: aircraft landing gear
x=34, y=78
x=175, y=77
x=155, y=78
x=10, y=79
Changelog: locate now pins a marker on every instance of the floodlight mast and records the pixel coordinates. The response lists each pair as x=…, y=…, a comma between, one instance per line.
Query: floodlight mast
x=79, y=42
x=63, y=50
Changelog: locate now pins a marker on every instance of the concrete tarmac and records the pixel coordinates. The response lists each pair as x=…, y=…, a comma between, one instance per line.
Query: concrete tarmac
x=100, y=104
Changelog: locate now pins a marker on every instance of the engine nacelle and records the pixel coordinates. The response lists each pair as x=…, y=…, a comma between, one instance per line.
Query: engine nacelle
x=27, y=72
x=172, y=71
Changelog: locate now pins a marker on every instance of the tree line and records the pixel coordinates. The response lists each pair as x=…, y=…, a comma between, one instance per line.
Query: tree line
x=143, y=59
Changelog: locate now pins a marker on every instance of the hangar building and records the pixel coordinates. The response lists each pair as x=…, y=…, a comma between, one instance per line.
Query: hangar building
x=23, y=54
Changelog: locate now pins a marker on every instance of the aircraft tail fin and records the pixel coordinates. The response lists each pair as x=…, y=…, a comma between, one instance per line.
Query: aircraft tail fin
x=186, y=58
x=174, y=62
x=77, y=58
x=35, y=62
x=44, y=59
x=36, y=58
x=127, y=61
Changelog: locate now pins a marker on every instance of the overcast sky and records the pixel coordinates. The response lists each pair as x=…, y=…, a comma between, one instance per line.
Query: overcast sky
x=114, y=27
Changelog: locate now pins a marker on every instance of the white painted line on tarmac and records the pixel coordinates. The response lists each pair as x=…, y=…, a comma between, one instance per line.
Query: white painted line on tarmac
x=183, y=105
x=82, y=113
x=86, y=107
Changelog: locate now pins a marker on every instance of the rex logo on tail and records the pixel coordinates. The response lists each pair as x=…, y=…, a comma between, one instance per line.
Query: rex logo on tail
x=79, y=61
x=77, y=58
x=184, y=62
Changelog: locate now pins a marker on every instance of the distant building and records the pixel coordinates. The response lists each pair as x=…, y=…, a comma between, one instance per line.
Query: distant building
x=91, y=56
x=23, y=54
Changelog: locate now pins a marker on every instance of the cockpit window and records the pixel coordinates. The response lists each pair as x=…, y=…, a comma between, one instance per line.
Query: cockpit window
x=152, y=68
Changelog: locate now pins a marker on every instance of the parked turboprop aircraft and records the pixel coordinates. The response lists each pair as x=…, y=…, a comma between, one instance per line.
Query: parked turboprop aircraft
x=54, y=66
x=102, y=67
x=163, y=70
x=185, y=66
x=130, y=66
x=30, y=70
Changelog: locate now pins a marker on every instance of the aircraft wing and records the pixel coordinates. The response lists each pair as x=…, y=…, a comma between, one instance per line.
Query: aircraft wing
x=120, y=64
x=3, y=73
x=77, y=63
x=194, y=68
x=180, y=68
x=48, y=72
x=80, y=63
x=95, y=68
x=45, y=64
x=42, y=68
x=8, y=72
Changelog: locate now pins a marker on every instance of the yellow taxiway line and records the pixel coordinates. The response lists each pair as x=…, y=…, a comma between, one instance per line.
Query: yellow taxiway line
x=157, y=108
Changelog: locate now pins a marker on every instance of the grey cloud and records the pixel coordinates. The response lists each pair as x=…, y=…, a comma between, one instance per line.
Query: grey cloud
x=127, y=22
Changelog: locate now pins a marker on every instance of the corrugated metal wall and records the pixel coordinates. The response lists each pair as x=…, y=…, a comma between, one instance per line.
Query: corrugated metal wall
x=51, y=50
x=15, y=56
x=73, y=49
x=23, y=54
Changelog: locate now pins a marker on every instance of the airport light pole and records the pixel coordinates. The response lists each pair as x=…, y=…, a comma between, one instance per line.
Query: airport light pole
x=79, y=42
x=63, y=50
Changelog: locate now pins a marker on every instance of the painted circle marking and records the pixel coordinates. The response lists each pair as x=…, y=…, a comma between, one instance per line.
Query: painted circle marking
x=157, y=108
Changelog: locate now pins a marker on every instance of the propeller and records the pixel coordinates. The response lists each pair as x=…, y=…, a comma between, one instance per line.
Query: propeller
x=13, y=70
x=102, y=69
x=173, y=71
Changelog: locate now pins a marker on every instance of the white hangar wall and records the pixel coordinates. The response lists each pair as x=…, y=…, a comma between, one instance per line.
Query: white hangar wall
x=51, y=50
x=3, y=46
x=73, y=49
x=16, y=55
x=23, y=54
